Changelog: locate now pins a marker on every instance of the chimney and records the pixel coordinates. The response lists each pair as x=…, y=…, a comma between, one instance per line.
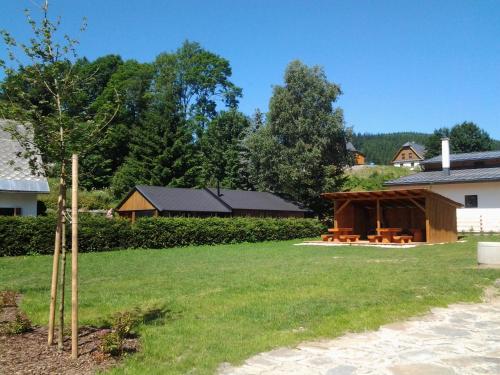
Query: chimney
x=445, y=155
x=218, y=188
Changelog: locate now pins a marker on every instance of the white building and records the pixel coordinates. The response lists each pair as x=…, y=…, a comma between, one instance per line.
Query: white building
x=472, y=179
x=19, y=185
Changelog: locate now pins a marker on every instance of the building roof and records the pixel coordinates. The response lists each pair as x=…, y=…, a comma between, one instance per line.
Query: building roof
x=387, y=194
x=207, y=200
x=254, y=200
x=455, y=176
x=350, y=147
x=468, y=156
x=16, y=173
x=180, y=199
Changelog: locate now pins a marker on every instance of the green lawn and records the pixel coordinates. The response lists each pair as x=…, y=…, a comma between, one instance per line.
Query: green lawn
x=230, y=302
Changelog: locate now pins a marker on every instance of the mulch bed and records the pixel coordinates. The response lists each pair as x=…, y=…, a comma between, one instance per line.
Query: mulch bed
x=28, y=353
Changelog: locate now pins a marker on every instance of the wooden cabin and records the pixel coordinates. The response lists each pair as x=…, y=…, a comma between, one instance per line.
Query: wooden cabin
x=164, y=201
x=428, y=216
x=358, y=156
x=409, y=155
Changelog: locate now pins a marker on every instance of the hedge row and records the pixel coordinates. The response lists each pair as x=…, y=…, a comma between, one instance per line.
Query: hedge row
x=35, y=235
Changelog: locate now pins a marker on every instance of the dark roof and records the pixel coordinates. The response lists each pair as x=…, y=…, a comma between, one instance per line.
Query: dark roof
x=16, y=173
x=468, y=156
x=183, y=200
x=418, y=148
x=350, y=147
x=255, y=200
x=207, y=200
x=455, y=176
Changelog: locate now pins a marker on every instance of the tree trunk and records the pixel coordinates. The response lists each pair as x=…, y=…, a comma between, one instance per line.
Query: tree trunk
x=62, y=275
x=55, y=261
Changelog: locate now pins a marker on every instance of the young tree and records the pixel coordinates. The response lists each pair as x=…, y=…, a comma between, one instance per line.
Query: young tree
x=50, y=126
x=301, y=152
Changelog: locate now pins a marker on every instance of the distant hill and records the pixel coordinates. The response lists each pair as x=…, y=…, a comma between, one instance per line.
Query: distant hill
x=380, y=148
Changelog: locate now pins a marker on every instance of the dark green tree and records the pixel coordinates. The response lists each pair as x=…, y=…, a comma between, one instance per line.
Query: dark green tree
x=301, y=152
x=464, y=137
x=129, y=86
x=221, y=147
x=433, y=143
x=468, y=137
x=187, y=86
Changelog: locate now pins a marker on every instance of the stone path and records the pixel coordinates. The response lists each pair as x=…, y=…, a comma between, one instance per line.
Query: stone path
x=461, y=339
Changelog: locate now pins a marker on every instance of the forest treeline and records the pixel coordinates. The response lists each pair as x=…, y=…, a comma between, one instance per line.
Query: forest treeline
x=381, y=148
x=175, y=122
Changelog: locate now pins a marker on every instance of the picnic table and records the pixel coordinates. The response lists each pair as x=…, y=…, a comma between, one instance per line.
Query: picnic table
x=337, y=232
x=388, y=233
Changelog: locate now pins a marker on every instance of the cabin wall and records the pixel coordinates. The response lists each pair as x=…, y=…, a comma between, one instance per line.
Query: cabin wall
x=442, y=220
x=136, y=202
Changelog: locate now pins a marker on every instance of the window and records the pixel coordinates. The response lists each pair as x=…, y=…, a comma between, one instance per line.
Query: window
x=471, y=201
x=410, y=155
x=403, y=156
x=4, y=211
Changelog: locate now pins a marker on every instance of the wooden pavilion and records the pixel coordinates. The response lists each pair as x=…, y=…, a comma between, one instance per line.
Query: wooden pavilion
x=422, y=214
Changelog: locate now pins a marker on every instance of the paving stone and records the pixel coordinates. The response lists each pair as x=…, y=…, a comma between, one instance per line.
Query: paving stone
x=450, y=331
x=421, y=369
x=342, y=370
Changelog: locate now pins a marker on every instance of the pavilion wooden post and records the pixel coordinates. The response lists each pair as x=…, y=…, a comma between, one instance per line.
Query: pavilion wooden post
x=74, y=258
x=378, y=217
x=427, y=222
x=55, y=267
x=335, y=223
x=133, y=217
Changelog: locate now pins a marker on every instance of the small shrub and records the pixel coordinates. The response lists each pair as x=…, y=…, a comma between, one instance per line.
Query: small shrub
x=112, y=343
x=121, y=328
x=21, y=324
x=124, y=322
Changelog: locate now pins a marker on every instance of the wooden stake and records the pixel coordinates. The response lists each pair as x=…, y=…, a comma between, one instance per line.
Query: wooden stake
x=74, y=258
x=62, y=275
x=55, y=263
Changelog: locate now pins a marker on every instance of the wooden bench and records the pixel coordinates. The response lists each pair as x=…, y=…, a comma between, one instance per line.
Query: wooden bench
x=349, y=237
x=375, y=238
x=402, y=238
x=327, y=237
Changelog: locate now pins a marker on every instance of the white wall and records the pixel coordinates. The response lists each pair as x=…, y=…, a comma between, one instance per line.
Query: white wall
x=488, y=193
x=486, y=217
x=26, y=201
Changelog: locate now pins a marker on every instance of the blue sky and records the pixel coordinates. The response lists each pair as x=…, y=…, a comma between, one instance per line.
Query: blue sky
x=402, y=65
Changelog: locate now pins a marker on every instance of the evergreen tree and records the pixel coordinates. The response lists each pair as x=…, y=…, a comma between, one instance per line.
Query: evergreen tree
x=222, y=147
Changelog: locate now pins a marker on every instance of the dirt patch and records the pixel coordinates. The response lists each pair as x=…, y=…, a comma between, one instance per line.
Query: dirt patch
x=28, y=353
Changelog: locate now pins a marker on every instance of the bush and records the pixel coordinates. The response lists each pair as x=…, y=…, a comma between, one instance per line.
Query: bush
x=21, y=324
x=35, y=235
